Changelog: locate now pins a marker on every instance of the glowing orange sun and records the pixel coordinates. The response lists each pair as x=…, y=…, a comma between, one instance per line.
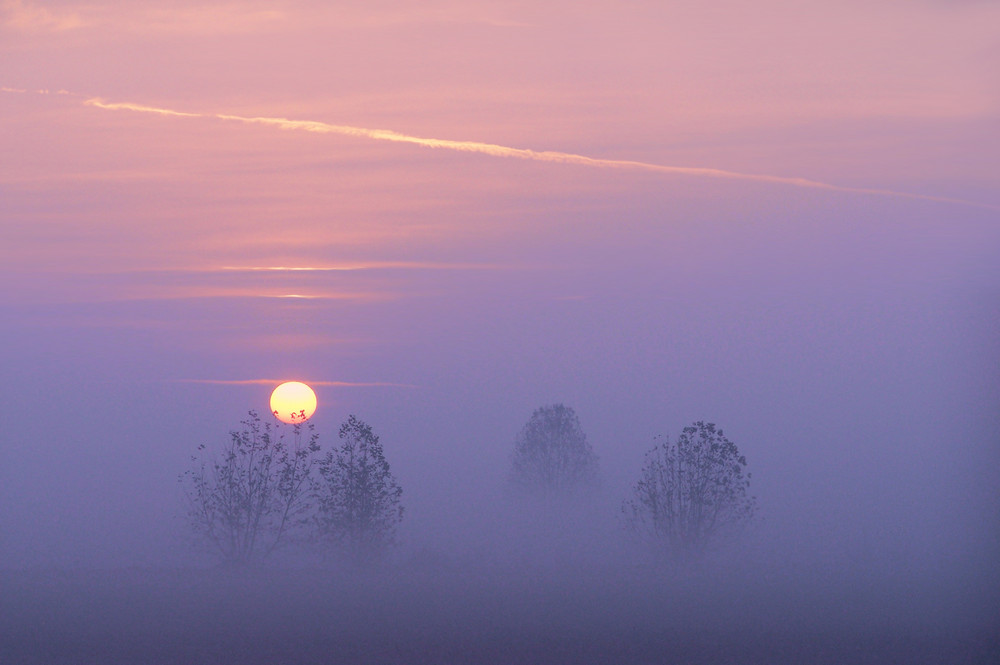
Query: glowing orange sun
x=293, y=402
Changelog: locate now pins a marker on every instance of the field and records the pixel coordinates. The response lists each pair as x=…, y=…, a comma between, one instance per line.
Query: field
x=437, y=614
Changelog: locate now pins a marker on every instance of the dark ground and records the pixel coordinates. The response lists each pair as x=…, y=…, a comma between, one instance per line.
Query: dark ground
x=413, y=614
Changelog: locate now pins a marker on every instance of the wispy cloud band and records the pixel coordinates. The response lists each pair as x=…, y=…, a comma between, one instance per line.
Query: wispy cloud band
x=497, y=150
x=274, y=382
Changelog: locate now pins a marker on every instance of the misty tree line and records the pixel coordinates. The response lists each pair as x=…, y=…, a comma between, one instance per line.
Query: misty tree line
x=689, y=492
x=270, y=485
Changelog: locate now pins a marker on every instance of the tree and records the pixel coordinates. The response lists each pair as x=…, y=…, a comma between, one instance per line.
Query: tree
x=245, y=504
x=551, y=452
x=358, y=498
x=690, y=492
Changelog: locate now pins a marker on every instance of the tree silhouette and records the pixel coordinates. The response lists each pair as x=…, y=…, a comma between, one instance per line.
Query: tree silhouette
x=690, y=492
x=551, y=452
x=358, y=497
x=244, y=504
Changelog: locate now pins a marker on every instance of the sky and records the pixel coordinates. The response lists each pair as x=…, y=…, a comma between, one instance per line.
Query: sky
x=781, y=217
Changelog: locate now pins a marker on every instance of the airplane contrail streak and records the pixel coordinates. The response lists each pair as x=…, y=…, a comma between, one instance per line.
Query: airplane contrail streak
x=497, y=150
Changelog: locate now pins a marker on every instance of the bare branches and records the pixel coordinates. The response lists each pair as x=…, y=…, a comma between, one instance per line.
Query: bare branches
x=691, y=491
x=245, y=504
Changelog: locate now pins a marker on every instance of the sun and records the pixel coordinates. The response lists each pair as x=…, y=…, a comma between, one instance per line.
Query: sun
x=293, y=402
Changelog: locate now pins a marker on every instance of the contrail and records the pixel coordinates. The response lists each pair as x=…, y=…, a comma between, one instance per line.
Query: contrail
x=497, y=150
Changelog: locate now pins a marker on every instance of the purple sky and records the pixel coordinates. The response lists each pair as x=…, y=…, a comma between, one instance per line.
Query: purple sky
x=846, y=340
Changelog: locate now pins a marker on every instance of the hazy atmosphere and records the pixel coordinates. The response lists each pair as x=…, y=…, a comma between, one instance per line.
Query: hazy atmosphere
x=782, y=218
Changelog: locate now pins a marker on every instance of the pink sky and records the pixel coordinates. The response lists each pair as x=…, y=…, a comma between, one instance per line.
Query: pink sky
x=133, y=243
x=891, y=96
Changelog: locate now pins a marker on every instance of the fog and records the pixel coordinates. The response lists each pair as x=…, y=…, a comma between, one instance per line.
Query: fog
x=781, y=218
x=859, y=380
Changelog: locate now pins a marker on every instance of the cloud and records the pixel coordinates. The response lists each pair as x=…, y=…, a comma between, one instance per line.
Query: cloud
x=496, y=150
x=274, y=382
x=153, y=293
x=24, y=91
x=99, y=103
x=197, y=293
x=214, y=18
x=28, y=17
x=225, y=18
x=364, y=265
x=193, y=18
x=364, y=15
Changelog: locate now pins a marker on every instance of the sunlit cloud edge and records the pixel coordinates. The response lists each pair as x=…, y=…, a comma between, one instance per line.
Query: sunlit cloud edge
x=269, y=382
x=250, y=295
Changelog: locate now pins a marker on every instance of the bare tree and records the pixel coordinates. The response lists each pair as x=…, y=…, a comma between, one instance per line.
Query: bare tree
x=359, y=499
x=551, y=452
x=691, y=491
x=245, y=503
